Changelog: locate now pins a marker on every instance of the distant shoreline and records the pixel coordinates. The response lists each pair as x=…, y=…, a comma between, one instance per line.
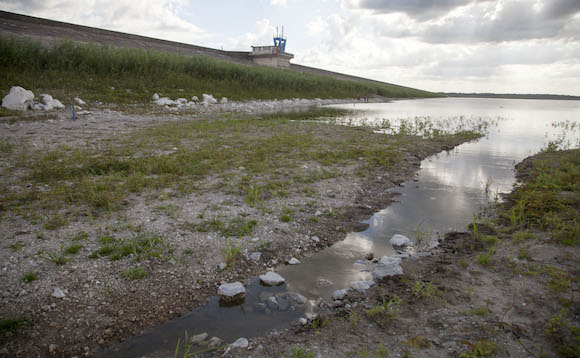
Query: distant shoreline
x=511, y=96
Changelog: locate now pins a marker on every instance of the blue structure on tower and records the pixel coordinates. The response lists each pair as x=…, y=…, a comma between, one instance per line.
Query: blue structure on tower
x=280, y=40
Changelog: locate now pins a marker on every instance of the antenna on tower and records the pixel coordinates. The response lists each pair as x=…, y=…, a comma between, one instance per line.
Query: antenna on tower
x=280, y=40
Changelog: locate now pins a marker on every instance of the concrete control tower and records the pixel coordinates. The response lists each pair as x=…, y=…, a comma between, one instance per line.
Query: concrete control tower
x=273, y=56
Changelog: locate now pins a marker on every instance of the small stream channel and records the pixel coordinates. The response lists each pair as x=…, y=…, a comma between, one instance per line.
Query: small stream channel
x=443, y=196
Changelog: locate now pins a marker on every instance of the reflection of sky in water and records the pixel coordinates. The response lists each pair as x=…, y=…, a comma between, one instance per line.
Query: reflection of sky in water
x=450, y=186
x=447, y=193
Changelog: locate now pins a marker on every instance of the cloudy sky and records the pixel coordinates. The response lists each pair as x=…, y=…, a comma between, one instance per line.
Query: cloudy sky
x=507, y=46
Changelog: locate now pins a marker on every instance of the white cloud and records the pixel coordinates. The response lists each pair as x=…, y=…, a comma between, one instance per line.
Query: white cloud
x=260, y=36
x=154, y=18
x=279, y=2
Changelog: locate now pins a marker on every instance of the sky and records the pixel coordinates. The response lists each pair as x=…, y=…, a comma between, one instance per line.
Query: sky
x=501, y=46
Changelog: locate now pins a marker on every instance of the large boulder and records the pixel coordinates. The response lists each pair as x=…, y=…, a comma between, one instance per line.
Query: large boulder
x=388, y=266
x=272, y=279
x=18, y=99
x=232, y=292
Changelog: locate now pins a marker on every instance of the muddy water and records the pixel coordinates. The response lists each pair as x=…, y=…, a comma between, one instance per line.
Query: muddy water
x=443, y=196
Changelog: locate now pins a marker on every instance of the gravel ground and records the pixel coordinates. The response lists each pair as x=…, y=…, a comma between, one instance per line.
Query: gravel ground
x=101, y=306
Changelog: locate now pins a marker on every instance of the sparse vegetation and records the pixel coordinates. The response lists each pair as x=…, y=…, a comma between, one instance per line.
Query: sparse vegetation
x=136, y=273
x=481, y=348
x=29, y=277
x=424, y=289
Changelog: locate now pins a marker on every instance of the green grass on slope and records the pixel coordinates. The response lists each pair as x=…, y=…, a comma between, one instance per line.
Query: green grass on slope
x=132, y=75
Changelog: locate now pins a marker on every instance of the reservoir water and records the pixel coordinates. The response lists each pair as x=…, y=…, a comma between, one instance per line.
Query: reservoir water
x=444, y=195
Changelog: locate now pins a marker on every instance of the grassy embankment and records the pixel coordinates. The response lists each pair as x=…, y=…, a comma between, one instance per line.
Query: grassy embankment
x=132, y=75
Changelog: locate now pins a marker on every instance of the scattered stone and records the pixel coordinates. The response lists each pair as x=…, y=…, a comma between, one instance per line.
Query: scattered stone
x=208, y=99
x=283, y=303
x=296, y=297
x=323, y=282
x=80, y=101
x=18, y=99
x=155, y=97
x=165, y=101
x=388, y=266
x=259, y=348
x=255, y=256
x=361, y=286
x=50, y=103
x=52, y=348
x=222, y=266
x=340, y=294
x=303, y=321
x=195, y=99
x=224, y=100
x=232, y=291
x=293, y=261
x=272, y=279
x=400, y=240
x=240, y=343
x=58, y=293
x=272, y=303
x=318, y=213
x=370, y=256
x=337, y=304
x=198, y=338
x=214, y=342
x=315, y=238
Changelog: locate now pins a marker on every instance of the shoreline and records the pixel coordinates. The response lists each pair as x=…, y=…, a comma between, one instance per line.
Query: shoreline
x=99, y=303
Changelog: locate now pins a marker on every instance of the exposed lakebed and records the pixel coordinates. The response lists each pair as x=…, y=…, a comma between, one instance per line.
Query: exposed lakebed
x=447, y=191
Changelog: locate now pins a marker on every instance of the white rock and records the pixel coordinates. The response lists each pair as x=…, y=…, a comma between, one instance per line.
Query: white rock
x=195, y=99
x=272, y=279
x=302, y=321
x=181, y=101
x=293, y=261
x=255, y=256
x=80, y=101
x=58, y=293
x=224, y=100
x=240, y=343
x=400, y=240
x=361, y=286
x=388, y=266
x=52, y=348
x=318, y=213
x=50, y=103
x=315, y=238
x=222, y=266
x=18, y=99
x=340, y=294
x=208, y=99
x=232, y=290
x=155, y=97
x=165, y=101
x=198, y=338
